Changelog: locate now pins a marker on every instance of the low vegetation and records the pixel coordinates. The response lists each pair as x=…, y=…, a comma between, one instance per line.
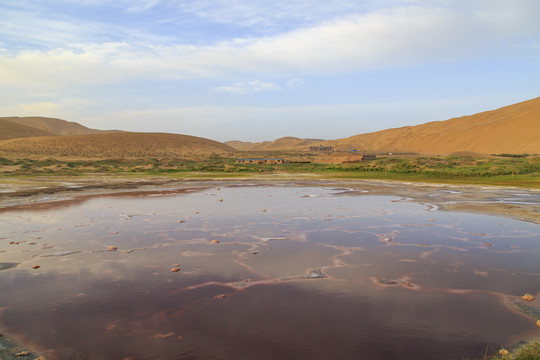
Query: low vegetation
x=512, y=155
x=516, y=171
x=527, y=352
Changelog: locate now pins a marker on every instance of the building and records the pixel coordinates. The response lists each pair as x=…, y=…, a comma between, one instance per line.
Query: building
x=342, y=158
x=367, y=157
x=260, y=161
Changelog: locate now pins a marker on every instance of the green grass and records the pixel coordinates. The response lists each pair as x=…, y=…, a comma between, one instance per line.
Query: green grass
x=505, y=171
x=527, y=352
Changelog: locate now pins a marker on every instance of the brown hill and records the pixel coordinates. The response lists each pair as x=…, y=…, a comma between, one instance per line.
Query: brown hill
x=11, y=130
x=115, y=145
x=512, y=129
x=52, y=125
x=284, y=143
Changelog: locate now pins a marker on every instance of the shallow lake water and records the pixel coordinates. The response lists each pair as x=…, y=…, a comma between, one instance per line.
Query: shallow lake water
x=264, y=272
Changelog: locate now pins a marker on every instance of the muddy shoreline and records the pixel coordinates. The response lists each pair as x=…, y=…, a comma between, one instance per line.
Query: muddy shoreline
x=482, y=199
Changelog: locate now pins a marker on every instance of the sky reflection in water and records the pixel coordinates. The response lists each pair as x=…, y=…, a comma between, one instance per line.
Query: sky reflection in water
x=402, y=279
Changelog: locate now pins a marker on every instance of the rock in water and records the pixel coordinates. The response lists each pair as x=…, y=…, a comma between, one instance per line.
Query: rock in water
x=314, y=274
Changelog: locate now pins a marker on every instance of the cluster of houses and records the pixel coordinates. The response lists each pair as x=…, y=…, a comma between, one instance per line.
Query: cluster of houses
x=260, y=161
x=322, y=148
x=325, y=155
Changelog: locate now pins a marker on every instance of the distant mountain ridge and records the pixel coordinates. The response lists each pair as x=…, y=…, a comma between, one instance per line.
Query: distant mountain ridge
x=284, y=143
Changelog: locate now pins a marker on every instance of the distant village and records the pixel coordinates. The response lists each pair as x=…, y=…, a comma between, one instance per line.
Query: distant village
x=323, y=155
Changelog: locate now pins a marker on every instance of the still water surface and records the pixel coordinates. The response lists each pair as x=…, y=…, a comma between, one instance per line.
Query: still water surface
x=263, y=272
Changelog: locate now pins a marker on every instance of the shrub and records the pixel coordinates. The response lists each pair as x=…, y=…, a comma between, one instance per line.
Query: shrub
x=4, y=161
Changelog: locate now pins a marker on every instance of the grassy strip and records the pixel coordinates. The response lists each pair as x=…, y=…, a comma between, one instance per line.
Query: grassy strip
x=522, y=172
x=522, y=181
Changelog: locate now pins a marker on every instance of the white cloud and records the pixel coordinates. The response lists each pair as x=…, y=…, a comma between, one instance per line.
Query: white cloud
x=43, y=107
x=141, y=5
x=294, y=83
x=249, y=86
x=264, y=15
x=400, y=36
x=60, y=108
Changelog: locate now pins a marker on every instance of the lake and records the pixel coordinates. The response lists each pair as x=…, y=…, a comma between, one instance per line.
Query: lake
x=254, y=271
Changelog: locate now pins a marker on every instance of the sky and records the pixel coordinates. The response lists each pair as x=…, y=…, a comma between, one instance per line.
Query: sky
x=255, y=70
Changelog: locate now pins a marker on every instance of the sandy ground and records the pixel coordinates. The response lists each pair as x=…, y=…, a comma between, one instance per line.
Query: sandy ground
x=517, y=203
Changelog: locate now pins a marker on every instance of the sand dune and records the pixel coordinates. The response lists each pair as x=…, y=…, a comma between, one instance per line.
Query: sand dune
x=511, y=129
x=116, y=145
x=12, y=130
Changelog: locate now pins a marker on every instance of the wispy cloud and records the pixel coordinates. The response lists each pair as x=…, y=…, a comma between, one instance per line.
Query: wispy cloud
x=33, y=108
x=27, y=28
x=141, y=5
x=58, y=108
x=49, y=28
x=405, y=36
x=294, y=83
x=268, y=16
x=249, y=86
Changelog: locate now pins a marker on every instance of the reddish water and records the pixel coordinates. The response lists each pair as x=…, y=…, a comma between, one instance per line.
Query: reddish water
x=298, y=273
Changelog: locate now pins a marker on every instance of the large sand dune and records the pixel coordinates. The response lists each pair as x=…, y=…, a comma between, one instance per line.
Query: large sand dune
x=115, y=145
x=511, y=129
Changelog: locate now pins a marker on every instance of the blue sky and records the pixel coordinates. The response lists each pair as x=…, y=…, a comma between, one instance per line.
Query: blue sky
x=257, y=70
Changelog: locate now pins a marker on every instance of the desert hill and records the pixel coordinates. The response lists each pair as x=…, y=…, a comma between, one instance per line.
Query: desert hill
x=51, y=125
x=11, y=130
x=284, y=143
x=115, y=145
x=512, y=129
